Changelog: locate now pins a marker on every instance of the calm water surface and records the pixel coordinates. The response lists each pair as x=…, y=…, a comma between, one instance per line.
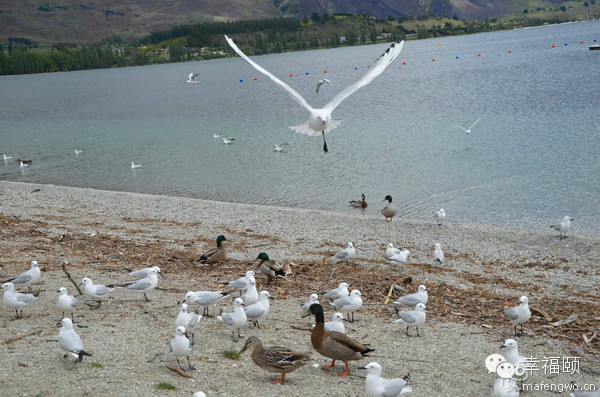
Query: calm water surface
x=532, y=159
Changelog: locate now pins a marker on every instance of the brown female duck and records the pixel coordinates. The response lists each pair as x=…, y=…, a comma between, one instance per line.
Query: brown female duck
x=275, y=359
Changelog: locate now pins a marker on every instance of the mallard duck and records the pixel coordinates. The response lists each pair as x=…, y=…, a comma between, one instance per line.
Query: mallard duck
x=276, y=358
x=390, y=210
x=271, y=269
x=215, y=255
x=333, y=344
x=359, y=203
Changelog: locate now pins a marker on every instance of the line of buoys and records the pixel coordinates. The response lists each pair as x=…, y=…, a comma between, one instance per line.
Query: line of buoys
x=432, y=60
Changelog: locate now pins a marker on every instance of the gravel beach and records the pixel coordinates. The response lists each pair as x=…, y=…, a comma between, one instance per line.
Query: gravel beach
x=98, y=234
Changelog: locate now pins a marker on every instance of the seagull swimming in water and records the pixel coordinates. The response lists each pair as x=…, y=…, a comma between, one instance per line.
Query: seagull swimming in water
x=468, y=130
x=192, y=78
x=279, y=148
x=319, y=121
x=227, y=141
x=134, y=165
x=321, y=82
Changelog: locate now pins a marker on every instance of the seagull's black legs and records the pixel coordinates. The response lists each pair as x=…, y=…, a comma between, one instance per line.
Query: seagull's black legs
x=324, y=142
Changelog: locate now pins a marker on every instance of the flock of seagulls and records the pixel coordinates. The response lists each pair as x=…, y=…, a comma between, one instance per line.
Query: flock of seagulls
x=329, y=338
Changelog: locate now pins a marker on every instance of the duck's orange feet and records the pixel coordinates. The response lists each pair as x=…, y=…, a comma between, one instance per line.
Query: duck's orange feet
x=278, y=381
x=505, y=302
x=346, y=372
x=329, y=367
x=388, y=220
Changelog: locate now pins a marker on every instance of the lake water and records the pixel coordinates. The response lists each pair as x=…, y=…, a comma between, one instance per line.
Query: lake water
x=533, y=158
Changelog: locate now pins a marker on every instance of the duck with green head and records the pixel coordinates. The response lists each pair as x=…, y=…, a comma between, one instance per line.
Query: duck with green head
x=332, y=344
x=275, y=358
x=215, y=255
x=270, y=268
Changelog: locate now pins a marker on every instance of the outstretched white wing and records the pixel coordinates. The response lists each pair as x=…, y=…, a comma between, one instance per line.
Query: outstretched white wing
x=293, y=93
x=375, y=70
x=473, y=125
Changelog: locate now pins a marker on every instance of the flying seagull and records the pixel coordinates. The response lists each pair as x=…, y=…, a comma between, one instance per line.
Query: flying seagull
x=468, y=130
x=321, y=82
x=192, y=78
x=319, y=121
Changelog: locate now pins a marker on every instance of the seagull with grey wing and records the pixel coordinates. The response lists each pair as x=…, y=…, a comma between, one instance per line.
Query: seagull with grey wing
x=27, y=278
x=319, y=121
x=321, y=82
x=143, y=285
x=413, y=318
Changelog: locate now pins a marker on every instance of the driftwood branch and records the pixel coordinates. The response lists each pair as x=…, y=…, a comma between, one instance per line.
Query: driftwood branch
x=16, y=338
x=64, y=268
x=387, y=299
x=179, y=371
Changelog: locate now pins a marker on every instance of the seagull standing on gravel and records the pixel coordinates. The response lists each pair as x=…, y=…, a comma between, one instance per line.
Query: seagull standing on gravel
x=66, y=302
x=340, y=292
x=336, y=324
x=439, y=216
x=401, y=257
x=15, y=300
x=345, y=254
x=349, y=304
x=205, y=299
x=391, y=250
x=145, y=272
x=314, y=298
x=69, y=341
x=180, y=347
x=520, y=314
x=381, y=387
x=242, y=283
x=27, y=278
x=97, y=291
x=235, y=320
x=512, y=352
x=259, y=309
x=414, y=318
x=188, y=320
x=319, y=121
x=143, y=285
x=438, y=254
x=563, y=226
x=251, y=295
x=413, y=300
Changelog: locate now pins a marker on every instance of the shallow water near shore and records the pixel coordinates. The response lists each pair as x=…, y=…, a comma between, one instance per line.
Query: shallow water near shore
x=531, y=160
